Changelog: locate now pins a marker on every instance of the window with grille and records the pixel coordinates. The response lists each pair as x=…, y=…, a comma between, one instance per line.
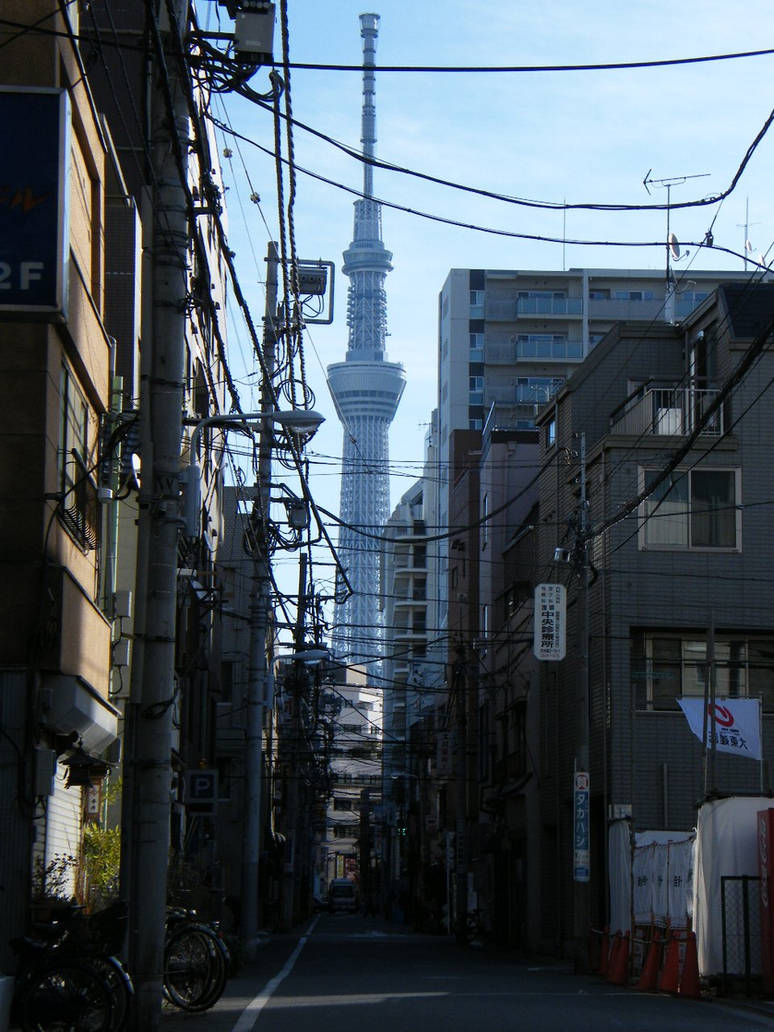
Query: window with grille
x=80, y=508
x=665, y=666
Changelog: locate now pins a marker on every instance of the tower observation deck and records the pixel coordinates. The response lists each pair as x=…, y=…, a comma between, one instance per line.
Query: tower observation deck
x=366, y=389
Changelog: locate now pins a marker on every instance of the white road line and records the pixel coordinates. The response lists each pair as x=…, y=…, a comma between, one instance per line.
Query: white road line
x=249, y=1016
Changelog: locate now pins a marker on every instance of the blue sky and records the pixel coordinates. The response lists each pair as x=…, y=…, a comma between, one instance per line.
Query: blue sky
x=565, y=136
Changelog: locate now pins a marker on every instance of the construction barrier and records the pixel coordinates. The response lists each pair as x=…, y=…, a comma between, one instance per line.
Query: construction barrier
x=667, y=960
x=618, y=973
x=604, y=951
x=669, y=982
x=689, y=979
x=649, y=977
x=599, y=950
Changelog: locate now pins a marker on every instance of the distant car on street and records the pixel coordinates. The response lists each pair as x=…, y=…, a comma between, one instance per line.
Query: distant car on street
x=342, y=895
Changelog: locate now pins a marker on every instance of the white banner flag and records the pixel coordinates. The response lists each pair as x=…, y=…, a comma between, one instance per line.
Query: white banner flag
x=733, y=725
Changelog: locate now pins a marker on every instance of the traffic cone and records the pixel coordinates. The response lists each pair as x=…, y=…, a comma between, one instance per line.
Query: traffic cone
x=689, y=982
x=619, y=968
x=613, y=957
x=670, y=976
x=604, y=951
x=649, y=976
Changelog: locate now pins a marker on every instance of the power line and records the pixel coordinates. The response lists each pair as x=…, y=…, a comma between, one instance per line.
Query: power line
x=526, y=202
x=521, y=69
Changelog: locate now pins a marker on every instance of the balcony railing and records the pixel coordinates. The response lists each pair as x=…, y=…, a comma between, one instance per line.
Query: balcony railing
x=668, y=411
x=549, y=306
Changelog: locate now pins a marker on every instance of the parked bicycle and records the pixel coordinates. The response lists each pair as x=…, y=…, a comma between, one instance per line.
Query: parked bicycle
x=196, y=961
x=69, y=979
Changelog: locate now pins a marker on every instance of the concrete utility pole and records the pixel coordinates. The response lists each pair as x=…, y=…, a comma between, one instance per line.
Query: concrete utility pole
x=146, y=829
x=257, y=676
x=582, y=883
x=460, y=684
x=292, y=763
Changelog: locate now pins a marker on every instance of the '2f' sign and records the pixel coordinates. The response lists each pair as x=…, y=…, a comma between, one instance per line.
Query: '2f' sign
x=21, y=276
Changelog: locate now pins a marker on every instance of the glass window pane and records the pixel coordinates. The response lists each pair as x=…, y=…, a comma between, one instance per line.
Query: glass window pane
x=666, y=513
x=713, y=516
x=665, y=672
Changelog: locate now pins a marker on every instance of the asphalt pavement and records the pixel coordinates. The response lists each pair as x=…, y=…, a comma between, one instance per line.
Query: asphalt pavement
x=345, y=971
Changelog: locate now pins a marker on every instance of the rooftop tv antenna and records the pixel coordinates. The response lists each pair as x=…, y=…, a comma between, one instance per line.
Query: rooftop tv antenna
x=746, y=227
x=673, y=252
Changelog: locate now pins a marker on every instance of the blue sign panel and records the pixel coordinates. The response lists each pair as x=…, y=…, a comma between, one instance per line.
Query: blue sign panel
x=581, y=844
x=32, y=199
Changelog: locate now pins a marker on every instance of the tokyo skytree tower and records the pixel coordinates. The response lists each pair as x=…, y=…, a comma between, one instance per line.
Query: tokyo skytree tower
x=366, y=389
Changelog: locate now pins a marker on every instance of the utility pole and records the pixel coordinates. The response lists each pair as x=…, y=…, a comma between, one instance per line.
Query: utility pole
x=153, y=691
x=257, y=676
x=581, y=778
x=292, y=760
x=459, y=684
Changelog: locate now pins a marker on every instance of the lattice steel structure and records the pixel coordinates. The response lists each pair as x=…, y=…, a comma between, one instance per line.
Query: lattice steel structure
x=366, y=389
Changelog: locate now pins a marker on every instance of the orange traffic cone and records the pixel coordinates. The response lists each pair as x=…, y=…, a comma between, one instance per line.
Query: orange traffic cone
x=649, y=977
x=689, y=982
x=619, y=968
x=613, y=958
x=670, y=976
x=604, y=951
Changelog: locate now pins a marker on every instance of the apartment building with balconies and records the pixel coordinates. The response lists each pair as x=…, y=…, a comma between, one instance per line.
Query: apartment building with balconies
x=512, y=338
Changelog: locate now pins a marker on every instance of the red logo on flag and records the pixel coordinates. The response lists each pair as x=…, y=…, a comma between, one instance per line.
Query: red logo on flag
x=722, y=715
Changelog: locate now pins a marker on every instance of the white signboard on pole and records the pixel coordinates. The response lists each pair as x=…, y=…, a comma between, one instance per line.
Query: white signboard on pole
x=550, y=631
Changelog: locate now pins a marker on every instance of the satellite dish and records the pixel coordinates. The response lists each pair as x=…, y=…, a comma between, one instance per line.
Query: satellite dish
x=674, y=246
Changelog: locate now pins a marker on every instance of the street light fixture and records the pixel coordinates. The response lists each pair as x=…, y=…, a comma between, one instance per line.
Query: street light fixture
x=296, y=421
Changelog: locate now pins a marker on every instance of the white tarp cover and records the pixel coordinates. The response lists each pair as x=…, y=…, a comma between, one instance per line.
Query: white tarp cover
x=726, y=844
x=656, y=858
x=662, y=878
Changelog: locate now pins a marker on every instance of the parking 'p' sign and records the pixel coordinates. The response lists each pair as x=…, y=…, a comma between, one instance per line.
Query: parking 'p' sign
x=201, y=791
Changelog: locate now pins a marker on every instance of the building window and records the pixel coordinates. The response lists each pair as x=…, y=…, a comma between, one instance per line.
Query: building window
x=634, y=295
x=348, y=830
x=665, y=667
x=698, y=509
x=80, y=508
x=344, y=803
x=476, y=347
x=477, y=304
x=551, y=432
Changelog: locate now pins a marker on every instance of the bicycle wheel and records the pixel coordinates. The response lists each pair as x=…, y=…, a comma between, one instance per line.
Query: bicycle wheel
x=119, y=984
x=66, y=996
x=194, y=968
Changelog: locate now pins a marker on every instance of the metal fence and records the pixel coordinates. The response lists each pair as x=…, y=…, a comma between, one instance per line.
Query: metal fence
x=740, y=906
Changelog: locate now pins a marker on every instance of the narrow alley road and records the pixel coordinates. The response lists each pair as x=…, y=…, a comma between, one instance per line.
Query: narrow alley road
x=342, y=972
